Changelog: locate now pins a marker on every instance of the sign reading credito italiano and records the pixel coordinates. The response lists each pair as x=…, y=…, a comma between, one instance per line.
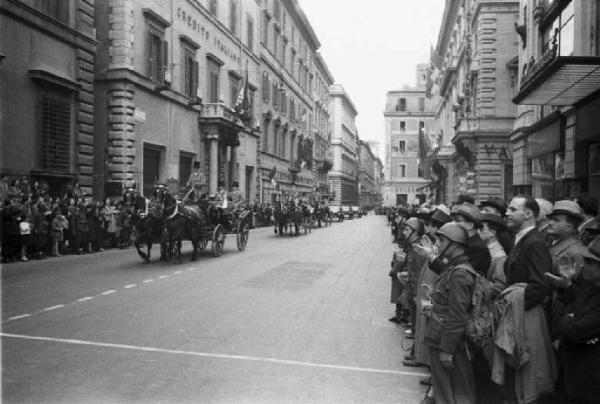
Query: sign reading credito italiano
x=199, y=29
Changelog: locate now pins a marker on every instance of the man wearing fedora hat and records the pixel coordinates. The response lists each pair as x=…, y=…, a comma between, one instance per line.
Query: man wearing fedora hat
x=565, y=218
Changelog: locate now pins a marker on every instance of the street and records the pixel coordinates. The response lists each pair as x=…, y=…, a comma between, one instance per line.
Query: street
x=290, y=319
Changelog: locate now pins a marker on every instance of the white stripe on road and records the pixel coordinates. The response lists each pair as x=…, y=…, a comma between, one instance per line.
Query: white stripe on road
x=163, y=276
x=108, y=292
x=83, y=299
x=131, y=285
x=177, y=272
x=213, y=355
x=149, y=280
x=58, y=306
x=19, y=317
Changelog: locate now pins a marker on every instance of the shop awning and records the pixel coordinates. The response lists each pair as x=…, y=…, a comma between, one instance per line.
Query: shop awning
x=565, y=80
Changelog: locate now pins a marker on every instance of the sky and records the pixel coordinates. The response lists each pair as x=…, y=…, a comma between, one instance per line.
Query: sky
x=372, y=47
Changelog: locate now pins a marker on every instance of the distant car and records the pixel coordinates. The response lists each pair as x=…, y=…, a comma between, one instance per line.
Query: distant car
x=346, y=211
x=336, y=211
x=355, y=211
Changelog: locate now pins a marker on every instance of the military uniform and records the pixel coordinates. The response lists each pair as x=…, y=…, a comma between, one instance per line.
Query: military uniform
x=445, y=331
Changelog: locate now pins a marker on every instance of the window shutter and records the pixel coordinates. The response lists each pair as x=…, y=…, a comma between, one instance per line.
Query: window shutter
x=165, y=63
x=150, y=56
x=196, y=73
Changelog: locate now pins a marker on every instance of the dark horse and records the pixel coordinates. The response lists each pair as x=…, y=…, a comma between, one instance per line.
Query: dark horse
x=147, y=223
x=182, y=222
x=287, y=215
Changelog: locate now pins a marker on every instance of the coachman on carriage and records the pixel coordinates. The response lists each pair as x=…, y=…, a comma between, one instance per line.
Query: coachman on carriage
x=203, y=219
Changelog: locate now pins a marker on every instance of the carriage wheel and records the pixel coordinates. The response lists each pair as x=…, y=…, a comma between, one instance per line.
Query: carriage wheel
x=242, y=237
x=218, y=241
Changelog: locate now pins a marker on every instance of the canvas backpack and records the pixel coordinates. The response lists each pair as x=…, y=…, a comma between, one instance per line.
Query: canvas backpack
x=480, y=325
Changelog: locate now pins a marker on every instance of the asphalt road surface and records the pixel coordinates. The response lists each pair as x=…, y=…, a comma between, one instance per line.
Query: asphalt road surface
x=288, y=320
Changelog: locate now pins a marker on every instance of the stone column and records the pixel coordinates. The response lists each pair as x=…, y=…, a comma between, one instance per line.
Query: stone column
x=233, y=175
x=213, y=138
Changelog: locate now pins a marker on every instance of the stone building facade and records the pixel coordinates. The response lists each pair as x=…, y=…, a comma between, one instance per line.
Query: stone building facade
x=322, y=156
x=556, y=137
x=287, y=54
x=343, y=177
x=46, y=108
x=475, y=67
x=368, y=192
x=408, y=118
x=168, y=77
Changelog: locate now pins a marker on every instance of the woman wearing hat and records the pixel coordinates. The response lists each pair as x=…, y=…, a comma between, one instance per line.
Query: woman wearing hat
x=580, y=331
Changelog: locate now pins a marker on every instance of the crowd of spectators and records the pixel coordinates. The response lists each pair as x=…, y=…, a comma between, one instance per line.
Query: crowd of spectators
x=36, y=225
x=501, y=300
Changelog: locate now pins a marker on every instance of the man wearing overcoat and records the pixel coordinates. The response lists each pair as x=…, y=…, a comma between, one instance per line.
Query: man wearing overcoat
x=445, y=328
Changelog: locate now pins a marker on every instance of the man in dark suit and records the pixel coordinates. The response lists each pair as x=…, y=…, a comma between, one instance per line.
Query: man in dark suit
x=529, y=259
x=527, y=262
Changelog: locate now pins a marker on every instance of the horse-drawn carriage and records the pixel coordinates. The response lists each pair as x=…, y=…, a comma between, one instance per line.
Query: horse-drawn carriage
x=171, y=221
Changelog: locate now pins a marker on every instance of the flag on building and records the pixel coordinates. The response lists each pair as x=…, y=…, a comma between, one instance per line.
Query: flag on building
x=272, y=176
x=303, y=164
x=304, y=118
x=242, y=103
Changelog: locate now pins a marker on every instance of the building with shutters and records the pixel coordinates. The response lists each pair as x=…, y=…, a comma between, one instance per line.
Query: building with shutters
x=475, y=65
x=322, y=155
x=47, y=55
x=368, y=166
x=168, y=75
x=343, y=177
x=556, y=137
x=287, y=56
x=409, y=117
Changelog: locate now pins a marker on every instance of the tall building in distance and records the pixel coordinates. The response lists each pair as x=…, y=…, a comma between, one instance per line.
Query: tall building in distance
x=343, y=177
x=409, y=117
x=322, y=156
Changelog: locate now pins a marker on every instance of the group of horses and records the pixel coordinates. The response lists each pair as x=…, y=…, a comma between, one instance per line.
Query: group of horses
x=290, y=216
x=166, y=220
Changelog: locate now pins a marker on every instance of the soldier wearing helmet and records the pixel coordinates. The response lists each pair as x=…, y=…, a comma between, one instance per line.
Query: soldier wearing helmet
x=405, y=272
x=469, y=217
x=448, y=311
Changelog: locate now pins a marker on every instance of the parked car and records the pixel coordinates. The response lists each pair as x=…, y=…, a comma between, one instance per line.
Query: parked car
x=346, y=211
x=336, y=212
x=355, y=211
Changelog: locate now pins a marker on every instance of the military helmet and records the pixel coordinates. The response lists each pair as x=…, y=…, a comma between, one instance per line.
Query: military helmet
x=454, y=232
x=415, y=224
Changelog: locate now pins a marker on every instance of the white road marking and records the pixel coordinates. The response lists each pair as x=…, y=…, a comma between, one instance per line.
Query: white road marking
x=177, y=272
x=108, y=292
x=149, y=280
x=83, y=299
x=131, y=285
x=19, y=317
x=58, y=306
x=214, y=355
x=163, y=276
